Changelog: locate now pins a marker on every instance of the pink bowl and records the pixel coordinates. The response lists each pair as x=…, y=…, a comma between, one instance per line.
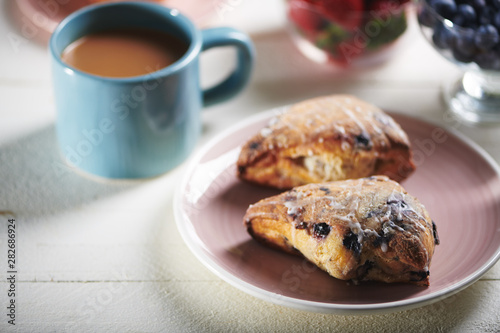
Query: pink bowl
x=38, y=18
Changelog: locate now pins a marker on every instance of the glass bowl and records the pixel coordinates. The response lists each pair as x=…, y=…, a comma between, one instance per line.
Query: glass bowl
x=346, y=32
x=469, y=38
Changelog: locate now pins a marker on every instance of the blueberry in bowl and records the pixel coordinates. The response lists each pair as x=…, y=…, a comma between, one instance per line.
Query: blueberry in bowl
x=467, y=32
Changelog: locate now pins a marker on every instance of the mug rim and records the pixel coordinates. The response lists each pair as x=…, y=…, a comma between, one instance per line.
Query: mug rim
x=170, y=13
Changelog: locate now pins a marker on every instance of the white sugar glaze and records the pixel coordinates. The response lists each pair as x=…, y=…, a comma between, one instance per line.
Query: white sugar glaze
x=343, y=206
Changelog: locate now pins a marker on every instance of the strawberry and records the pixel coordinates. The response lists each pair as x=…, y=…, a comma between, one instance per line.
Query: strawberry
x=346, y=13
x=382, y=8
x=305, y=15
x=386, y=8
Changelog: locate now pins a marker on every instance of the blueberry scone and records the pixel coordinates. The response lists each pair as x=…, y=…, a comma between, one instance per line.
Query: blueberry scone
x=326, y=139
x=361, y=229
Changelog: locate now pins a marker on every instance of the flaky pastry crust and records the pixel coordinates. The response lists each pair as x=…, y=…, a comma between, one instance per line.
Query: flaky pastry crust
x=362, y=229
x=326, y=139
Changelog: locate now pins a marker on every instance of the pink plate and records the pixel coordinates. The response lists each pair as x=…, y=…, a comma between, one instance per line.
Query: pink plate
x=456, y=180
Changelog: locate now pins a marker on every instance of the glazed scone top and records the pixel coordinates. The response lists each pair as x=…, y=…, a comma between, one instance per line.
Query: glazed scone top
x=373, y=218
x=358, y=124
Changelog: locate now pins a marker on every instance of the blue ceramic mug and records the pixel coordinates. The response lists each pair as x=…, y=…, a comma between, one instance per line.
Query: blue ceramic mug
x=139, y=126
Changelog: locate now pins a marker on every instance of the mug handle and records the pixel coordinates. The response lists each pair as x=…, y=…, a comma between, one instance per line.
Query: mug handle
x=236, y=81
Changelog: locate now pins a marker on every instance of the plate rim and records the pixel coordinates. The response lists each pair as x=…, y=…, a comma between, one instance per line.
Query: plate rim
x=192, y=240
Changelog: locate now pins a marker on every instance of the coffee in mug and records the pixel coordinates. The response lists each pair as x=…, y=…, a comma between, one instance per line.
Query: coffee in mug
x=124, y=52
x=120, y=124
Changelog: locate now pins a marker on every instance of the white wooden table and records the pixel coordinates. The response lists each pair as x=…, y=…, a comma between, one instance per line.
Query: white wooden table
x=107, y=257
